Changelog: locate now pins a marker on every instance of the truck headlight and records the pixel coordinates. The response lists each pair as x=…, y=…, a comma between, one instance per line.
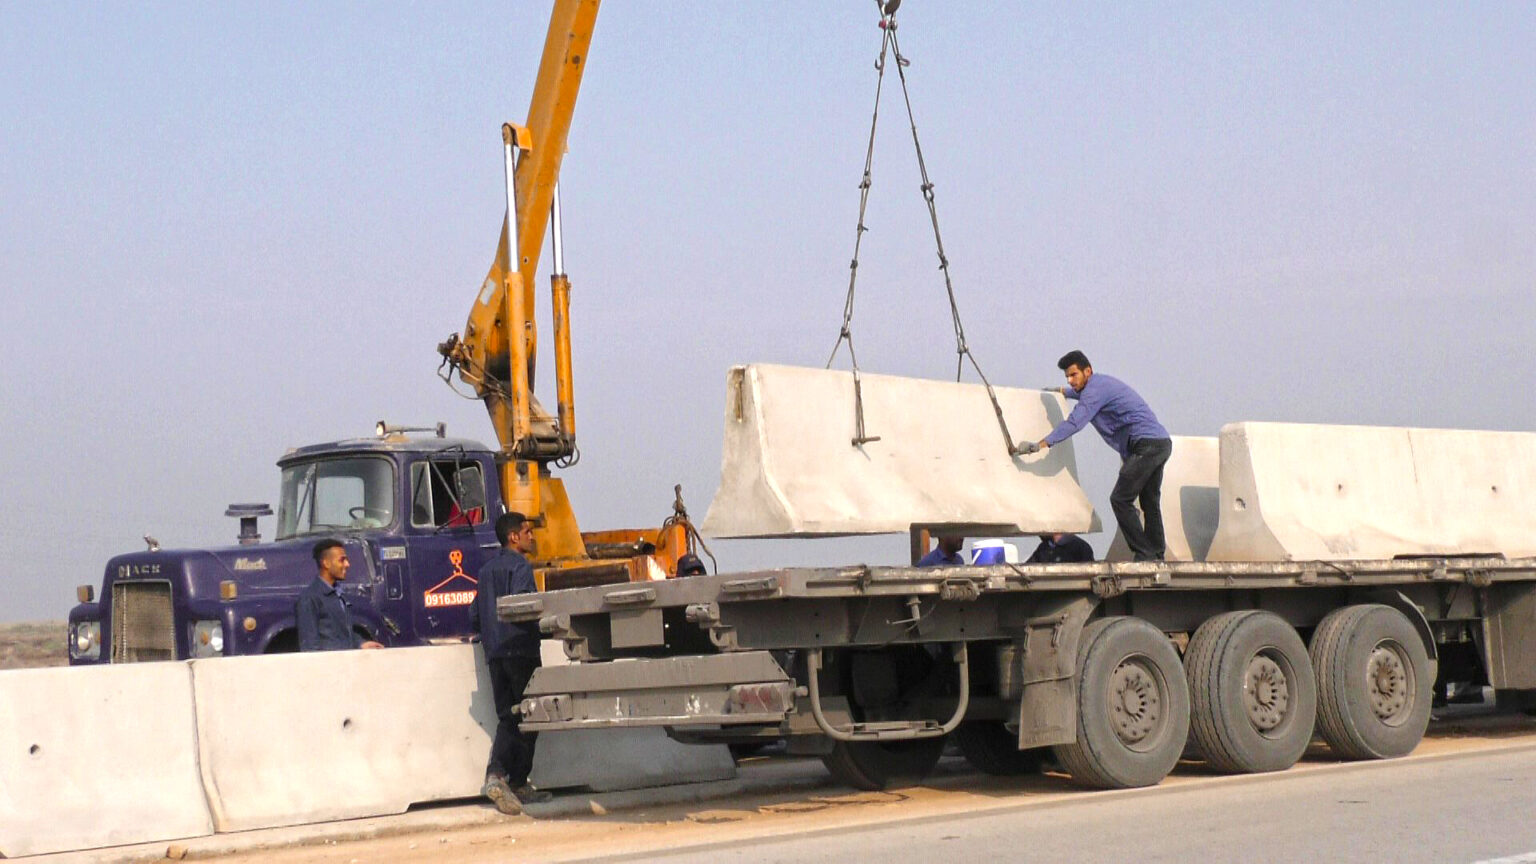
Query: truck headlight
x=85, y=641
x=207, y=639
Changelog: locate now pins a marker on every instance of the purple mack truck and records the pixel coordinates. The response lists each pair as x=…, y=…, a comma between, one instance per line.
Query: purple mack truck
x=415, y=514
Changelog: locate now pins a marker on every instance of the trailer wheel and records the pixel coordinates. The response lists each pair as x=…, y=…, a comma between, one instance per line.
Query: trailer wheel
x=992, y=749
x=1132, y=706
x=872, y=765
x=1253, y=697
x=882, y=685
x=1374, y=682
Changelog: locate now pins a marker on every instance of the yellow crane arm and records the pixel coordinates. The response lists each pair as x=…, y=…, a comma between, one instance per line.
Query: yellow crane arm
x=505, y=304
x=497, y=350
x=500, y=339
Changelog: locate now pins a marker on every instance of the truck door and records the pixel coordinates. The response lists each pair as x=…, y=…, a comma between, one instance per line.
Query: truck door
x=451, y=537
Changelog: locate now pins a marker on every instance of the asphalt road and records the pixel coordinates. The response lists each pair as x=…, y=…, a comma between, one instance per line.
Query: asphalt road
x=1472, y=807
x=1465, y=795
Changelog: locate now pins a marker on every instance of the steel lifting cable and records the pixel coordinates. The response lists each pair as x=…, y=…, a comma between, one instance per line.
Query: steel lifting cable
x=846, y=334
x=890, y=46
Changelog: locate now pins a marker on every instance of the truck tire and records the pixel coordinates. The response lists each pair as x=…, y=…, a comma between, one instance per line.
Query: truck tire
x=1252, y=694
x=286, y=642
x=1132, y=706
x=992, y=749
x=872, y=766
x=1374, y=683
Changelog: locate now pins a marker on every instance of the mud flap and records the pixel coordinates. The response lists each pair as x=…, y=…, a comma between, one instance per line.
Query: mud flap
x=1046, y=660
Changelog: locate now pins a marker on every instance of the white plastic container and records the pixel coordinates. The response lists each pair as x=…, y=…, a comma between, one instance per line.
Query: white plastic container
x=994, y=552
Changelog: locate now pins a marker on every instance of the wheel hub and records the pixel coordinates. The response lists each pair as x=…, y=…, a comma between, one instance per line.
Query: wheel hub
x=1137, y=701
x=1386, y=676
x=1266, y=693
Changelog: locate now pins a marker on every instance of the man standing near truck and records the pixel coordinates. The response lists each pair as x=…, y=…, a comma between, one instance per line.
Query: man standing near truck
x=511, y=656
x=324, y=621
x=1126, y=423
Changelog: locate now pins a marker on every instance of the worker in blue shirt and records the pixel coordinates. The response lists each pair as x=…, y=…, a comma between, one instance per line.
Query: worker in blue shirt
x=511, y=656
x=945, y=554
x=1126, y=423
x=324, y=621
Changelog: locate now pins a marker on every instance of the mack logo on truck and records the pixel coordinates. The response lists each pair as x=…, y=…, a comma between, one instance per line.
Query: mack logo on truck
x=437, y=596
x=128, y=571
x=250, y=563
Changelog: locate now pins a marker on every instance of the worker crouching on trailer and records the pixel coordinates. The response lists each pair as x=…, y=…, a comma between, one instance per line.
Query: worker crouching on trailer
x=511, y=656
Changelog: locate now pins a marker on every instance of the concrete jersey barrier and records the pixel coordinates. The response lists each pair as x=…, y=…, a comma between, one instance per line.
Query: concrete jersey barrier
x=286, y=739
x=295, y=738
x=98, y=756
x=1310, y=492
x=789, y=468
x=1191, y=501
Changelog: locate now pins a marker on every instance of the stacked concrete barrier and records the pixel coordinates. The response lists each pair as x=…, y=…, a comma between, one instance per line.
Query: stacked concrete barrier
x=1307, y=492
x=98, y=756
x=789, y=466
x=1191, y=501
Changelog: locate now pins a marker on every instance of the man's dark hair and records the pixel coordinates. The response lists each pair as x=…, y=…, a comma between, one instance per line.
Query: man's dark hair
x=323, y=547
x=1073, y=358
x=507, y=524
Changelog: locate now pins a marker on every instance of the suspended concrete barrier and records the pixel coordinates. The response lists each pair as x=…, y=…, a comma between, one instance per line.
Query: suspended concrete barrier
x=1191, y=501
x=98, y=756
x=1298, y=492
x=934, y=456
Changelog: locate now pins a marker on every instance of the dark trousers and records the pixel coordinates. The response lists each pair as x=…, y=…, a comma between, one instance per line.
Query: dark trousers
x=512, y=750
x=1141, y=481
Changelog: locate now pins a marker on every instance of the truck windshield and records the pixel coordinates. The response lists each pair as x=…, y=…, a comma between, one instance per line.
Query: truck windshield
x=336, y=495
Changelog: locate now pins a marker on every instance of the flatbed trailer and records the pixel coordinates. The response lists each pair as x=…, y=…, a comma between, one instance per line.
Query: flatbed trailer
x=1115, y=667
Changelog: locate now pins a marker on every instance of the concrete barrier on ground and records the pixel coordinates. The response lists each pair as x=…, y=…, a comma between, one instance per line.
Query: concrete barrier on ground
x=287, y=739
x=296, y=738
x=97, y=756
x=1309, y=492
x=789, y=466
x=608, y=760
x=1191, y=501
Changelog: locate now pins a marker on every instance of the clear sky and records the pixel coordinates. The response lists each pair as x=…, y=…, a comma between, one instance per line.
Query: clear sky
x=232, y=228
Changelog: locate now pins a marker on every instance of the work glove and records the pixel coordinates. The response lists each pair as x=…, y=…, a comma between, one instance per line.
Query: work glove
x=1026, y=448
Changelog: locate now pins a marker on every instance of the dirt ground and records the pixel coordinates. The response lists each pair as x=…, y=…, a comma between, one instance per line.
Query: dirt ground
x=27, y=644
x=954, y=789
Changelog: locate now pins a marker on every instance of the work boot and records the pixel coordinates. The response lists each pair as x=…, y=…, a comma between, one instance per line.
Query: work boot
x=529, y=795
x=502, y=796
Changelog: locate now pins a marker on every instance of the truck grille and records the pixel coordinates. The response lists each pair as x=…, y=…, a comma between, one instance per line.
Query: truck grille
x=143, y=624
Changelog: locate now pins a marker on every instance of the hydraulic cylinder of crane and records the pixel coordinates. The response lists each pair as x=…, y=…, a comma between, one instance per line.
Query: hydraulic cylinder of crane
x=560, y=291
x=516, y=311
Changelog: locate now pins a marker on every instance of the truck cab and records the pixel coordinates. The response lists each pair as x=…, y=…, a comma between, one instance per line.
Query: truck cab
x=414, y=512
